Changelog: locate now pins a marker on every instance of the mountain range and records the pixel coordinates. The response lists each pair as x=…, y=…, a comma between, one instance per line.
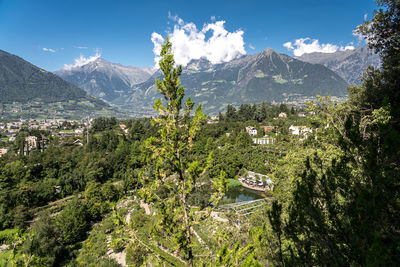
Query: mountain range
x=266, y=76
x=21, y=81
x=26, y=89
x=349, y=64
x=104, y=79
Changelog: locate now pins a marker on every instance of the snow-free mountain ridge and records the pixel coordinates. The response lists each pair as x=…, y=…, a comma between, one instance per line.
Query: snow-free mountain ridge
x=104, y=79
x=349, y=64
x=266, y=76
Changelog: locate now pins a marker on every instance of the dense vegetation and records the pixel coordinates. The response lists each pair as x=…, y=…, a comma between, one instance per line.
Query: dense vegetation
x=153, y=192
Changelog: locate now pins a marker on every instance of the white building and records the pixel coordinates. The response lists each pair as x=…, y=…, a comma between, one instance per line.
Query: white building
x=31, y=142
x=264, y=141
x=282, y=115
x=3, y=151
x=301, y=114
x=78, y=131
x=299, y=130
x=251, y=130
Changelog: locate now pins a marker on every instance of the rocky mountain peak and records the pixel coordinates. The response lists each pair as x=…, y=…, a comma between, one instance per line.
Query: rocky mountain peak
x=349, y=64
x=202, y=64
x=268, y=51
x=105, y=79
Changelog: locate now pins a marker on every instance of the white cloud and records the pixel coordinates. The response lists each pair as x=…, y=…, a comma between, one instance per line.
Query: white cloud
x=157, y=40
x=175, y=18
x=347, y=47
x=49, y=50
x=82, y=60
x=307, y=45
x=251, y=47
x=288, y=45
x=365, y=16
x=81, y=47
x=190, y=43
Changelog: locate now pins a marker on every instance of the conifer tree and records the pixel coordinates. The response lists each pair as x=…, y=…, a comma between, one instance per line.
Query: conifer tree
x=174, y=171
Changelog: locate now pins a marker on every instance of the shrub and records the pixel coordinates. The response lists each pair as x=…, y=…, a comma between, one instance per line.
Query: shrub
x=118, y=244
x=135, y=254
x=7, y=235
x=73, y=222
x=233, y=183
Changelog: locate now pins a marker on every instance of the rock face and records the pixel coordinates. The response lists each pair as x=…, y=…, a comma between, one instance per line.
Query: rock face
x=266, y=76
x=104, y=79
x=349, y=64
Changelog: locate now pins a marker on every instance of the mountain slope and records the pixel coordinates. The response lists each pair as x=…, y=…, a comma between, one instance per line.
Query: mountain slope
x=349, y=64
x=21, y=81
x=29, y=91
x=104, y=79
x=266, y=76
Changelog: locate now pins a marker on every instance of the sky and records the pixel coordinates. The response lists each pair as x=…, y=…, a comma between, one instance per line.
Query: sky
x=56, y=34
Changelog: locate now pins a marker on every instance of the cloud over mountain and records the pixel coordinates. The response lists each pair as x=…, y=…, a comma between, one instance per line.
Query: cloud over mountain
x=82, y=60
x=307, y=45
x=189, y=43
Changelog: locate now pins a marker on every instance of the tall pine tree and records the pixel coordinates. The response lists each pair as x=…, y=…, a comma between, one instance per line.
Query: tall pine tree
x=175, y=172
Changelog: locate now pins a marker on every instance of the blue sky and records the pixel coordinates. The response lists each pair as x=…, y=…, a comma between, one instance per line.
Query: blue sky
x=121, y=30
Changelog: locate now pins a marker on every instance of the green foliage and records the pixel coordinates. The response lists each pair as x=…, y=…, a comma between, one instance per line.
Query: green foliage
x=135, y=254
x=170, y=153
x=233, y=183
x=20, y=215
x=137, y=131
x=101, y=124
x=238, y=256
x=260, y=113
x=4, y=256
x=73, y=222
x=95, y=247
x=243, y=140
x=336, y=193
x=7, y=235
x=346, y=213
x=118, y=244
x=44, y=242
x=138, y=218
x=220, y=186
